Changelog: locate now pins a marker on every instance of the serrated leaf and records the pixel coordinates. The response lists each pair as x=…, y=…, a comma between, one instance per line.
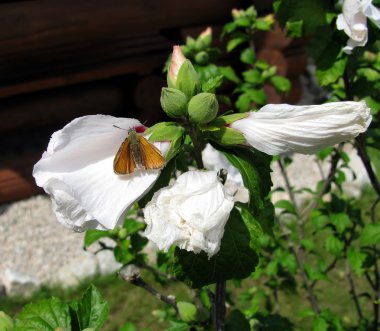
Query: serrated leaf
x=212, y=84
x=341, y=221
x=294, y=28
x=44, y=315
x=92, y=309
x=254, y=168
x=93, y=235
x=334, y=246
x=237, y=257
x=370, y=234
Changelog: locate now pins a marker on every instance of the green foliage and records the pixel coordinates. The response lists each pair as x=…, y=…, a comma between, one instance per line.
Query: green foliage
x=89, y=313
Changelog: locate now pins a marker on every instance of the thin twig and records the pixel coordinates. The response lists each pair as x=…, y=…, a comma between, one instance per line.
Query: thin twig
x=134, y=278
x=353, y=291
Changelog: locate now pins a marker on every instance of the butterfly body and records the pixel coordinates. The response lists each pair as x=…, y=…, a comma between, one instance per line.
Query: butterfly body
x=137, y=153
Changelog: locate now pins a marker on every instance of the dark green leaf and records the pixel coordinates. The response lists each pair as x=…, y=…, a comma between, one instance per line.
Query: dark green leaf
x=237, y=321
x=237, y=257
x=294, y=28
x=235, y=42
x=44, y=315
x=320, y=324
x=254, y=168
x=212, y=84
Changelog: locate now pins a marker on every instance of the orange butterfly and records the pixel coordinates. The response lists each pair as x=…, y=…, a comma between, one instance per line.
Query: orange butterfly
x=136, y=152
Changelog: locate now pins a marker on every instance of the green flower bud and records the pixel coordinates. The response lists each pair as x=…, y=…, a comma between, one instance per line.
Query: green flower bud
x=123, y=233
x=203, y=108
x=201, y=58
x=188, y=80
x=187, y=311
x=6, y=322
x=173, y=102
x=175, y=65
x=204, y=40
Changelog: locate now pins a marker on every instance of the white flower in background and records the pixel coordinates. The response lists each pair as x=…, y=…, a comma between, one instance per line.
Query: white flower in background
x=353, y=21
x=190, y=214
x=77, y=172
x=277, y=129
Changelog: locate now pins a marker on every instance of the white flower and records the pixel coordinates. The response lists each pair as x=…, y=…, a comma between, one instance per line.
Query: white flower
x=191, y=213
x=353, y=21
x=77, y=172
x=276, y=129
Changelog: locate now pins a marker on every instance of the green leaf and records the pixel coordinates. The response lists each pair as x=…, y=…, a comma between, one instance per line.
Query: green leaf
x=44, y=315
x=281, y=84
x=334, y=246
x=237, y=321
x=212, y=84
x=252, y=76
x=237, y=257
x=92, y=309
x=320, y=324
x=254, y=167
x=341, y=221
x=132, y=226
x=294, y=28
x=308, y=244
x=162, y=181
x=128, y=327
x=6, y=322
x=311, y=12
x=178, y=326
x=286, y=205
x=229, y=73
x=247, y=56
x=328, y=74
x=370, y=234
x=92, y=236
x=356, y=259
x=235, y=42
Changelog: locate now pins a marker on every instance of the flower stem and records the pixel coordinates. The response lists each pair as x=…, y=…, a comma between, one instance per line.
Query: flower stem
x=197, y=146
x=220, y=305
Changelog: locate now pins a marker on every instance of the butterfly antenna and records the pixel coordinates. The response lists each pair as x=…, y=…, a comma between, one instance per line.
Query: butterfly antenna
x=120, y=128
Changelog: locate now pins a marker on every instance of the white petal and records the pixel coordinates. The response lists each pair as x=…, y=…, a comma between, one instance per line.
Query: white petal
x=77, y=172
x=277, y=129
x=191, y=213
x=371, y=12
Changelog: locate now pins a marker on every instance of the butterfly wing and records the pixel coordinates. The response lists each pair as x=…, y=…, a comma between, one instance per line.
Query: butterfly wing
x=123, y=162
x=152, y=157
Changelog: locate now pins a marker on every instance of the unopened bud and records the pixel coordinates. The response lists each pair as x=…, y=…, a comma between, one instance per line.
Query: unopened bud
x=204, y=40
x=173, y=102
x=201, y=58
x=175, y=65
x=203, y=108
